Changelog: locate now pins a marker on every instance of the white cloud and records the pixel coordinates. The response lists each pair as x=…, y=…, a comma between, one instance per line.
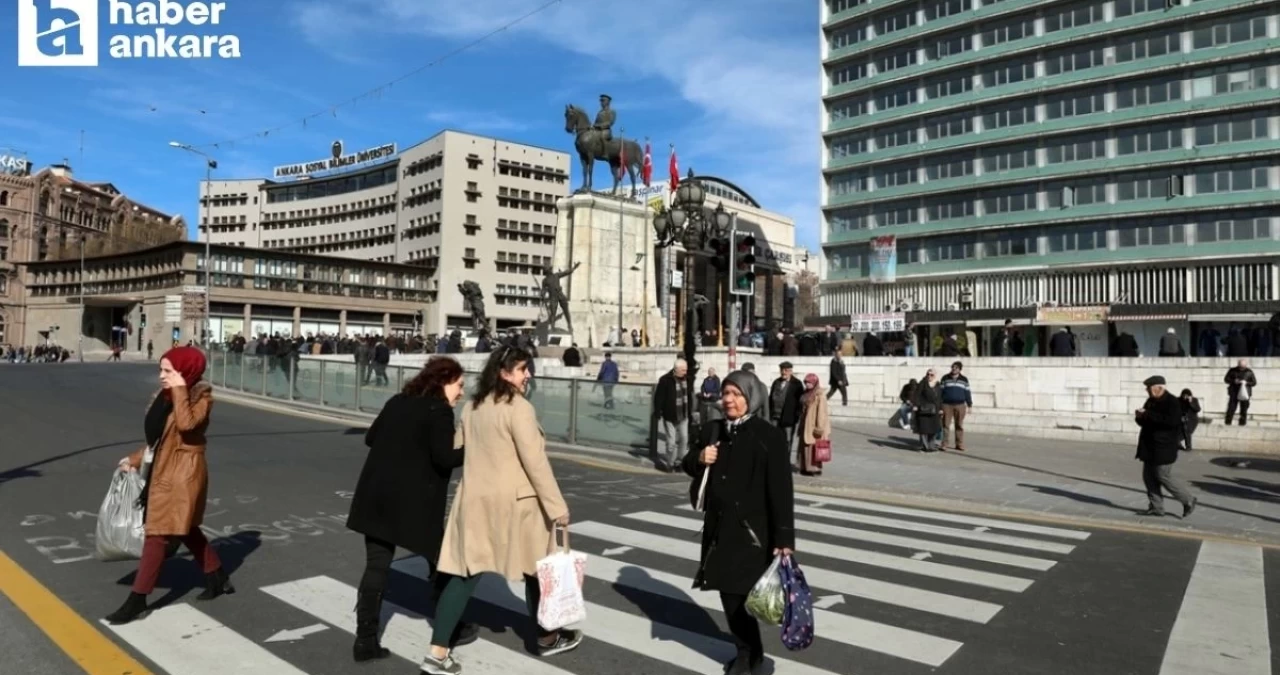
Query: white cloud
x=477, y=121
x=750, y=67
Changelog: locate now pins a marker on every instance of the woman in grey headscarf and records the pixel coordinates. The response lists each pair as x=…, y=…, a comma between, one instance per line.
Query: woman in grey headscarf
x=749, y=510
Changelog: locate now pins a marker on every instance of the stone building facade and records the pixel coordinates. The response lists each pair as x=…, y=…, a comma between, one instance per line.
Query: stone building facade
x=49, y=215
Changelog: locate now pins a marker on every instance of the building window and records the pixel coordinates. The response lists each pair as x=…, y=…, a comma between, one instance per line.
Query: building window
x=846, y=37
x=1012, y=115
x=4, y=228
x=1008, y=158
x=1131, y=7
x=948, y=167
x=847, y=109
x=1008, y=31
x=895, y=176
x=1076, y=193
x=848, y=220
x=1236, y=128
x=1228, y=80
x=1014, y=243
x=1150, y=139
x=1223, y=33
x=887, y=62
x=996, y=75
x=837, y=6
x=1009, y=200
x=1077, y=149
x=1161, y=232
x=1075, y=105
x=948, y=208
x=951, y=85
x=848, y=145
x=892, y=23
x=1073, y=16
x=948, y=125
x=939, y=9
x=898, y=214
x=895, y=98
x=854, y=258
x=942, y=250
x=4, y=197
x=1148, y=45
x=1069, y=61
x=1239, y=177
x=849, y=183
x=1138, y=186
x=4, y=252
x=1076, y=238
x=950, y=45
x=847, y=74
x=893, y=137
x=1148, y=92
x=1211, y=230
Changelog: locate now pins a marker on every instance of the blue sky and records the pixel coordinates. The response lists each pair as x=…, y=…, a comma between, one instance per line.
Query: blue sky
x=733, y=83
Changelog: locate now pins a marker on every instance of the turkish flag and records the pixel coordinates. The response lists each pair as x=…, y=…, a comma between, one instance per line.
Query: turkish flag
x=646, y=172
x=675, y=170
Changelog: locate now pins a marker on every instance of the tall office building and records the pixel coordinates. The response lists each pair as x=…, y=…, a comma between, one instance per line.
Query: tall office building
x=465, y=207
x=1117, y=155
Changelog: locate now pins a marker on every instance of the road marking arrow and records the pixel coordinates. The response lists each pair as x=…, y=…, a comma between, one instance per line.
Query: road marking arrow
x=982, y=529
x=617, y=551
x=817, y=505
x=828, y=601
x=297, y=633
x=923, y=555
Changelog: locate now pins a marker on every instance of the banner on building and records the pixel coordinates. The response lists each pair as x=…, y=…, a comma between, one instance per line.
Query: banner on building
x=1071, y=316
x=888, y=322
x=884, y=259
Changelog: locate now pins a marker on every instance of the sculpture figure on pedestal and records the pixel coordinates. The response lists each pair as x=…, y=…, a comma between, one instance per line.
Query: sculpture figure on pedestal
x=595, y=141
x=473, y=299
x=554, y=298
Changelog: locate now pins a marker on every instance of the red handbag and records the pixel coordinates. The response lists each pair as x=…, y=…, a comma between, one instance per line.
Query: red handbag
x=822, y=451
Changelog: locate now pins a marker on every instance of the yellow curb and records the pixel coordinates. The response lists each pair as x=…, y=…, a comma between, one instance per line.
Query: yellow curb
x=80, y=640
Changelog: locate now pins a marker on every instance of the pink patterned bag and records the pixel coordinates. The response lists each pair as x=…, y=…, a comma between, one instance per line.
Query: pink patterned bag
x=560, y=578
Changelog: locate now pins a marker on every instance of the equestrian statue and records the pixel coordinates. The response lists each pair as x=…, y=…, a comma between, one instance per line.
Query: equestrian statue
x=595, y=141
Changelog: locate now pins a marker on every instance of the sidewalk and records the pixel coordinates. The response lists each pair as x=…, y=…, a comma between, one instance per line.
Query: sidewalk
x=1005, y=475
x=1239, y=495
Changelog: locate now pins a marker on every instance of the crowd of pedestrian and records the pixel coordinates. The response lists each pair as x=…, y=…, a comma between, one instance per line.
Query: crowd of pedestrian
x=51, y=353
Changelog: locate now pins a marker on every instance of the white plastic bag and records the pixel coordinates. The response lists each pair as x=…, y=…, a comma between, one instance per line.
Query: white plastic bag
x=560, y=579
x=767, y=602
x=120, y=528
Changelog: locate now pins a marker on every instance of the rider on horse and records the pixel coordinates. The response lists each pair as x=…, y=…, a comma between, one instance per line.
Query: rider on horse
x=605, y=119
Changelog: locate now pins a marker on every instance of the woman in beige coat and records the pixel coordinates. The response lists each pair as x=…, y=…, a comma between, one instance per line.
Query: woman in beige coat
x=815, y=425
x=505, y=508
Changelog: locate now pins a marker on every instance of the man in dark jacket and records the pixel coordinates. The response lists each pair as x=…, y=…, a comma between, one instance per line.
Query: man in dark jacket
x=1170, y=345
x=957, y=401
x=872, y=345
x=784, y=402
x=1062, y=343
x=1237, y=343
x=671, y=406
x=1161, y=422
x=1240, y=383
x=1125, y=346
x=838, y=380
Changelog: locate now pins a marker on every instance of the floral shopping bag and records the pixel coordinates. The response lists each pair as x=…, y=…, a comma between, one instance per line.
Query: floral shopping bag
x=560, y=578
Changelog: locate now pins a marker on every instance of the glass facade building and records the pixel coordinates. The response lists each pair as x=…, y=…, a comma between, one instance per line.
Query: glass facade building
x=1051, y=152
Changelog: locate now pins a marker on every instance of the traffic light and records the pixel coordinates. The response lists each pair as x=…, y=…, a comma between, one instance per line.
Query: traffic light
x=720, y=254
x=744, y=264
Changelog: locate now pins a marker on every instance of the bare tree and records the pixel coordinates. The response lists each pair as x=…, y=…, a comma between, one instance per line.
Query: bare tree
x=807, y=305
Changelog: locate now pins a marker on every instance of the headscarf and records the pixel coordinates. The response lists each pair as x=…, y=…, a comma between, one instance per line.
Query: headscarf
x=742, y=381
x=810, y=387
x=189, y=362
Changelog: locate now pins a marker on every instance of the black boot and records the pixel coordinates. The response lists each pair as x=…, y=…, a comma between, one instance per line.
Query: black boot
x=216, y=584
x=133, y=608
x=368, y=620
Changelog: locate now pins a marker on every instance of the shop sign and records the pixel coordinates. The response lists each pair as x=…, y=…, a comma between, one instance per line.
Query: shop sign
x=337, y=160
x=894, y=322
x=1071, y=316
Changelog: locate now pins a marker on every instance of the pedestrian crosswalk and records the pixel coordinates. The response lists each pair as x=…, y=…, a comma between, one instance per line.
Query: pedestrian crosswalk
x=902, y=588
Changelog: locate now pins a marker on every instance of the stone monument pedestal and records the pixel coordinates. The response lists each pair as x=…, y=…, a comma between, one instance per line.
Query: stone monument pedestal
x=591, y=230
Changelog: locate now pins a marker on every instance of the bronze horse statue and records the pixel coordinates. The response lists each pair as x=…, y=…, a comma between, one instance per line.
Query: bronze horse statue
x=592, y=147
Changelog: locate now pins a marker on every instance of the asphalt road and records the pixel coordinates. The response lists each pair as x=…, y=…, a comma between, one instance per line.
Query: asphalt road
x=902, y=592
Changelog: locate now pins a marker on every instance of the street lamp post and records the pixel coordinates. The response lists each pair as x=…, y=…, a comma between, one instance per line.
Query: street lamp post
x=209, y=165
x=693, y=225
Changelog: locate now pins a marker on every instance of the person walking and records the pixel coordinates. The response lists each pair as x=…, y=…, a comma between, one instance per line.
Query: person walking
x=749, y=511
x=608, y=377
x=957, y=401
x=815, y=425
x=504, y=510
x=1190, y=415
x=784, y=402
x=838, y=379
x=1161, y=421
x=400, y=498
x=927, y=412
x=1240, y=382
x=671, y=406
x=177, y=482
x=907, y=395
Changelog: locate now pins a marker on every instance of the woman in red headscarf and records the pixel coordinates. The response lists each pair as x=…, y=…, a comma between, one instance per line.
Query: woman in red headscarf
x=178, y=479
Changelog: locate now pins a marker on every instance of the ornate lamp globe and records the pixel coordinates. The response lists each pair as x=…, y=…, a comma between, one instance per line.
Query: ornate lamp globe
x=662, y=225
x=721, y=221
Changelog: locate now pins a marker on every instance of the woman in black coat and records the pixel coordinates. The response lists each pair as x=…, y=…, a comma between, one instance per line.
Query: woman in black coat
x=927, y=405
x=400, y=499
x=750, y=511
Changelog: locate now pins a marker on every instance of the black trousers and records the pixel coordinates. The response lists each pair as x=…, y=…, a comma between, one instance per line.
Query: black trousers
x=378, y=555
x=844, y=393
x=1244, y=410
x=743, y=626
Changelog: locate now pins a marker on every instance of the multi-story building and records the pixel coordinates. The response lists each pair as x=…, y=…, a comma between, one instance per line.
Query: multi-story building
x=49, y=215
x=486, y=207
x=1116, y=155
x=142, y=296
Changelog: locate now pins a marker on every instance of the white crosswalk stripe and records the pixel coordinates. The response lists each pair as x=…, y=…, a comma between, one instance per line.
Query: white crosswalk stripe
x=912, y=615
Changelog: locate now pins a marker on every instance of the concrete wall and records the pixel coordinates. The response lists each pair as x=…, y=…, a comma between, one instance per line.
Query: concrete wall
x=1081, y=399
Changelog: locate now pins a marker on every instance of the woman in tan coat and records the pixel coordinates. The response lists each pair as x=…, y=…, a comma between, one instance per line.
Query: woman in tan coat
x=814, y=426
x=505, y=508
x=177, y=483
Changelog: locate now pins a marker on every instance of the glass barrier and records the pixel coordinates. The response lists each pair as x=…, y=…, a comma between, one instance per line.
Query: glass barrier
x=281, y=381
x=310, y=374
x=216, y=368
x=374, y=395
x=340, y=385
x=612, y=415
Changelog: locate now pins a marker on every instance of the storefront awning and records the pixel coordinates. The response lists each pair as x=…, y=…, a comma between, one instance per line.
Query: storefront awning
x=977, y=323
x=1229, y=317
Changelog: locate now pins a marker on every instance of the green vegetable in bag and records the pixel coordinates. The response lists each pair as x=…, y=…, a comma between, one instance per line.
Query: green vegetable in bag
x=766, y=601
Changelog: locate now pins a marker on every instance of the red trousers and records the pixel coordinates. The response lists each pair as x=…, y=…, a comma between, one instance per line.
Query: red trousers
x=153, y=550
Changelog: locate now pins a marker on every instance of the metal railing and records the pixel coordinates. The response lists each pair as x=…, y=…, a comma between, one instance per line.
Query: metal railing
x=570, y=410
